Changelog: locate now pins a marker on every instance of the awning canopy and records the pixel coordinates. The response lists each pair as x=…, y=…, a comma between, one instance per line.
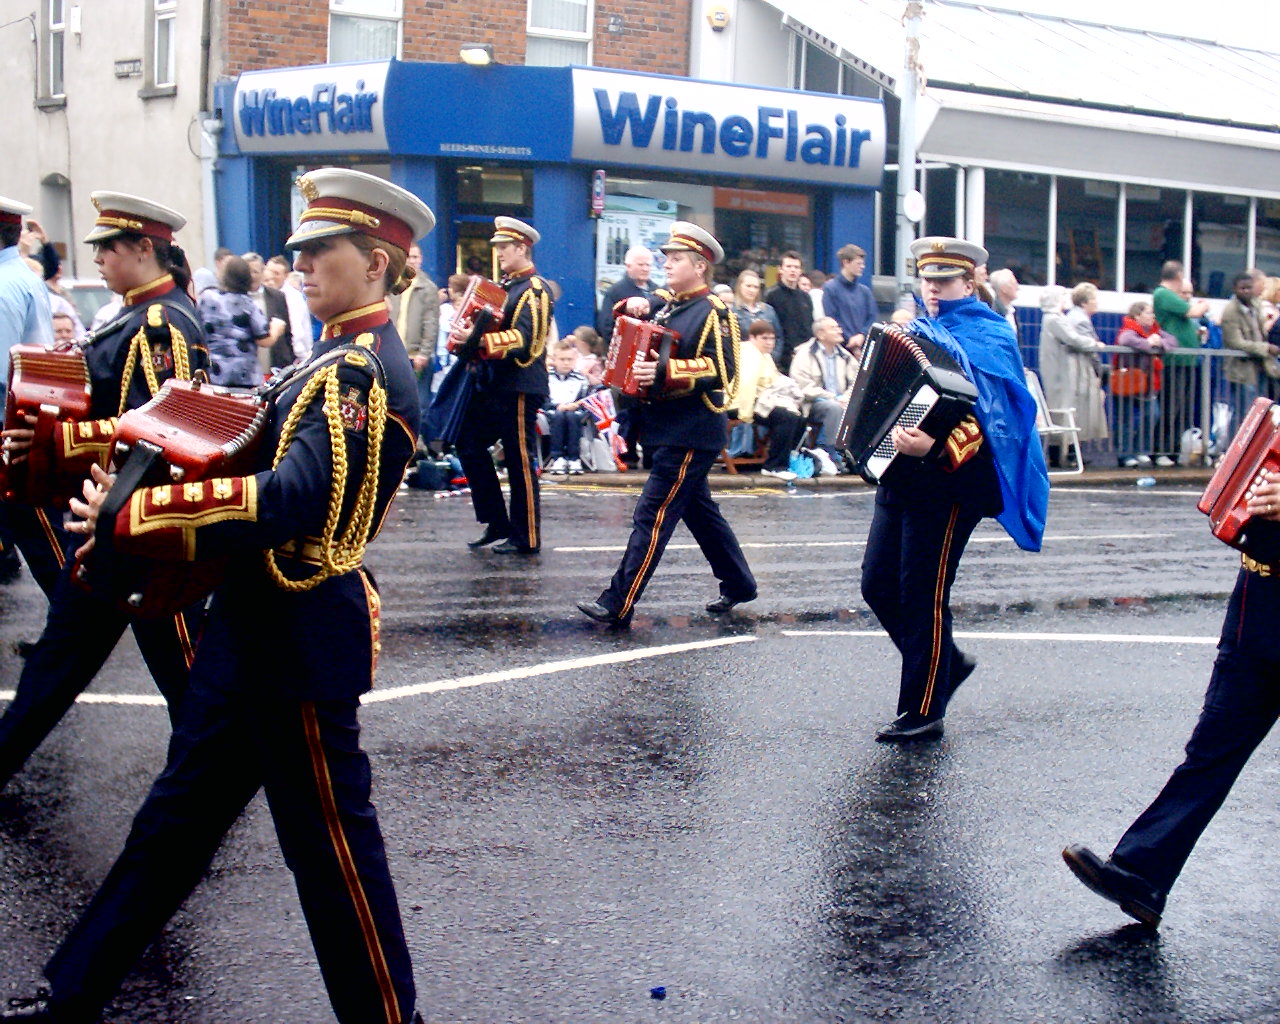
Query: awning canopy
x=971, y=48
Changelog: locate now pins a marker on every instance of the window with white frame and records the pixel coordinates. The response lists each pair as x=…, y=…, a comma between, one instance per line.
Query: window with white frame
x=52, y=83
x=163, y=62
x=364, y=29
x=559, y=32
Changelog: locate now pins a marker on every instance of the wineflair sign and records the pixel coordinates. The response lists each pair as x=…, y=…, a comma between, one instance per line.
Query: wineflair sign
x=646, y=121
x=331, y=108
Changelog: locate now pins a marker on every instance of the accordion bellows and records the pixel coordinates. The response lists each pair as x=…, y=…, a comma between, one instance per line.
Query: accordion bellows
x=904, y=380
x=1252, y=454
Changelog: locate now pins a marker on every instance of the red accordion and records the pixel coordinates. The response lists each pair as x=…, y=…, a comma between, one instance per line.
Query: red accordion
x=479, y=310
x=635, y=340
x=1254, y=451
x=189, y=432
x=51, y=384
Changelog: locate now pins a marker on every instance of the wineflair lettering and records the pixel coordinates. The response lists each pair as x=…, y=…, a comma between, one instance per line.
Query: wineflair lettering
x=696, y=130
x=339, y=108
x=712, y=127
x=262, y=112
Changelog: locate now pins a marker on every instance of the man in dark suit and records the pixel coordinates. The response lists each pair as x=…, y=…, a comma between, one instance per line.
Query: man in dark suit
x=273, y=303
x=794, y=308
x=639, y=264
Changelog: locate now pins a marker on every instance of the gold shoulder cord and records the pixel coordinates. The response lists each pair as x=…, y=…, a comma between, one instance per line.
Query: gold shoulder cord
x=729, y=386
x=338, y=554
x=139, y=345
x=541, y=322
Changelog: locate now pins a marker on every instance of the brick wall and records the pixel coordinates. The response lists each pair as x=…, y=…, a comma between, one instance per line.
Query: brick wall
x=286, y=33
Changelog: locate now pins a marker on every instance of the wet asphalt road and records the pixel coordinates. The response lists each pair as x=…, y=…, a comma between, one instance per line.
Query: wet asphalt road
x=576, y=816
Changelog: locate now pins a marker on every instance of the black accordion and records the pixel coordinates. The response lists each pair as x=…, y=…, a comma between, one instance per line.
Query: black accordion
x=905, y=380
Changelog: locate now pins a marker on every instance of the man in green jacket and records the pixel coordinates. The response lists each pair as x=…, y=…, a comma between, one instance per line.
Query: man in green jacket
x=1177, y=314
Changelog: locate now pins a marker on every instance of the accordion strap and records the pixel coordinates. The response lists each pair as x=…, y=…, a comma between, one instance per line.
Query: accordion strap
x=338, y=552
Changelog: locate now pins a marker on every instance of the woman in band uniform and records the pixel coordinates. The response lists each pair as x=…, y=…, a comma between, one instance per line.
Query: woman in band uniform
x=155, y=337
x=291, y=639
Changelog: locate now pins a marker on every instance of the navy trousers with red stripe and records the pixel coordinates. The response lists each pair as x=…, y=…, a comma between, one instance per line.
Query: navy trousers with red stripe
x=676, y=491
x=510, y=417
x=80, y=632
x=45, y=545
x=907, y=571
x=233, y=738
x=1241, y=706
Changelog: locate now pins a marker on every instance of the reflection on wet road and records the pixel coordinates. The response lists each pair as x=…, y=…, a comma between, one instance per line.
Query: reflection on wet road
x=577, y=816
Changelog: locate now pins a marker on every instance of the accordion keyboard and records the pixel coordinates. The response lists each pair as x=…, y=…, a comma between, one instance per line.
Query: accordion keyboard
x=911, y=416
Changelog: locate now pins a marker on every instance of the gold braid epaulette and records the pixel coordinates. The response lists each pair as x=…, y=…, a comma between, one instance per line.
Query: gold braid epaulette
x=338, y=554
x=541, y=308
x=729, y=385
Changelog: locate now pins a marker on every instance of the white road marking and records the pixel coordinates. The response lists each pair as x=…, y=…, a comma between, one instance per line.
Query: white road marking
x=547, y=668
x=1120, y=491
x=1093, y=638
x=752, y=545
x=459, y=682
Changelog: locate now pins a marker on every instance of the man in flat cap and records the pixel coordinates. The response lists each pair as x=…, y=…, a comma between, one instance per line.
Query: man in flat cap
x=989, y=465
x=510, y=387
x=683, y=424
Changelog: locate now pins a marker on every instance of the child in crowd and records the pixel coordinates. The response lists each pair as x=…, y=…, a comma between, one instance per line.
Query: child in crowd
x=563, y=408
x=590, y=349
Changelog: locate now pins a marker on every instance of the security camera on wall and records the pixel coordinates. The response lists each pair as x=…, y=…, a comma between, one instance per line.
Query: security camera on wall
x=718, y=18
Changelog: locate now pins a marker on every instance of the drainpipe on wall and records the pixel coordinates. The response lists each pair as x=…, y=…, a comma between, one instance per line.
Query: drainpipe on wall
x=210, y=128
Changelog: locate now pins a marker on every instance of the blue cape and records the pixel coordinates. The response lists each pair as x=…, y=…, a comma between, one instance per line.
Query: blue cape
x=980, y=340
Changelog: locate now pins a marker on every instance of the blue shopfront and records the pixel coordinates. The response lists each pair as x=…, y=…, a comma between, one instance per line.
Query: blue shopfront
x=597, y=160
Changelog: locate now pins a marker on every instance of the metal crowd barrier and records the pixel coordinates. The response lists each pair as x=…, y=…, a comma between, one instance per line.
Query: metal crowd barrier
x=1189, y=419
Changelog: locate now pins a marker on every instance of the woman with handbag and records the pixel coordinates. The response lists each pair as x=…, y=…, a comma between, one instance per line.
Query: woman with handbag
x=1135, y=384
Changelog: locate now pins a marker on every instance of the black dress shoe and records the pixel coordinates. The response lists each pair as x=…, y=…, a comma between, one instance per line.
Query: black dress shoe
x=962, y=667
x=508, y=547
x=724, y=603
x=35, y=1008
x=910, y=726
x=1134, y=894
x=491, y=534
x=595, y=610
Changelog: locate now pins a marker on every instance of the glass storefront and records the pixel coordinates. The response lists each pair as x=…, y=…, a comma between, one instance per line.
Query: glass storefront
x=1153, y=227
x=1086, y=236
x=1016, y=223
x=755, y=226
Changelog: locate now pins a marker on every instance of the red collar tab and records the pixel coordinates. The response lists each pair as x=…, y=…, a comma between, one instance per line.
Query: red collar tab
x=150, y=290
x=366, y=318
x=686, y=296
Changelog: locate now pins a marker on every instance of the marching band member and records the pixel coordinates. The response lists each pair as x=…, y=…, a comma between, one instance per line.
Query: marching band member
x=990, y=465
x=24, y=320
x=510, y=388
x=1240, y=708
x=156, y=336
x=685, y=427
x=291, y=639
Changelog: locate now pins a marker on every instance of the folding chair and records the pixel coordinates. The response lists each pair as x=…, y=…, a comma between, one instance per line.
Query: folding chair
x=1055, y=425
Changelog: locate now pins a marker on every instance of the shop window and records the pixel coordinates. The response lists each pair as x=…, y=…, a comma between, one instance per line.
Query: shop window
x=364, y=30
x=1220, y=239
x=53, y=34
x=1016, y=224
x=559, y=32
x=495, y=190
x=1152, y=234
x=817, y=70
x=1087, y=219
x=161, y=60
x=939, y=187
x=1267, y=244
